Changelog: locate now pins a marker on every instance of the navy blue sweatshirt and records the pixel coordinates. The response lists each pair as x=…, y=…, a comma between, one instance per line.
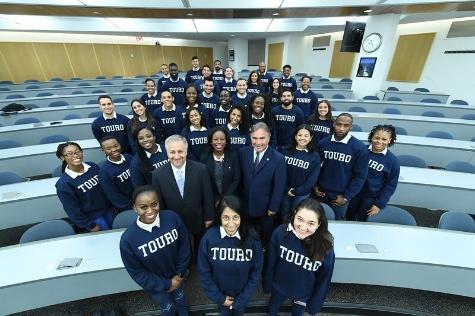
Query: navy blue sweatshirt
x=82, y=197
x=171, y=122
x=226, y=269
x=306, y=101
x=218, y=117
x=177, y=88
x=116, y=127
x=217, y=77
x=211, y=103
x=151, y=102
x=139, y=125
x=137, y=175
x=238, y=140
x=193, y=75
x=200, y=86
x=114, y=179
x=266, y=81
x=320, y=128
x=289, y=83
x=274, y=99
x=344, y=167
x=203, y=111
x=273, y=137
x=382, y=179
x=230, y=86
x=293, y=274
x=153, y=258
x=237, y=100
x=303, y=168
x=160, y=82
x=286, y=123
x=197, y=142
x=255, y=89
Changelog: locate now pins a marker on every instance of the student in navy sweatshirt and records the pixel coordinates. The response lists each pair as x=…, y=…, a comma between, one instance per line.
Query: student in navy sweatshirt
x=151, y=99
x=149, y=157
x=218, y=73
x=196, y=134
x=305, y=98
x=287, y=118
x=79, y=191
x=300, y=261
x=275, y=93
x=238, y=127
x=155, y=250
x=229, y=83
x=141, y=117
x=169, y=116
x=111, y=123
x=383, y=175
x=219, y=116
x=195, y=72
x=321, y=121
x=191, y=101
x=175, y=85
x=165, y=76
x=287, y=81
x=303, y=168
x=241, y=97
x=266, y=78
x=254, y=85
x=230, y=259
x=260, y=111
x=209, y=98
x=114, y=176
x=344, y=166
x=200, y=83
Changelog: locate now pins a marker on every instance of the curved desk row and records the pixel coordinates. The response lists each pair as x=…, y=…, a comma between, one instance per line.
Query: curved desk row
x=408, y=257
x=414, y=96
x=36, y=201
x=315, y=84
x=329, y=93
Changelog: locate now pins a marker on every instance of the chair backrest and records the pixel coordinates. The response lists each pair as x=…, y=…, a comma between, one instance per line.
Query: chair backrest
x=26, y=120
x=421, y=90
x=77, y=92
x=440, y=134
x=58, y=103
x=84, y=84
x=140, y=76
x=338, y=96
x=106, y=83
x=76, y=78
x=6, y=82
x=459, y=102
x=117, y=77
x=54, y=139
x=460, y=166
x=31, y=81
x=124, y=219
x=4, y=89
x=320, y=96
x=60, y=85
x=5, y=144
x=92, y=102
x=101, y=77
x=346, y=80
x=94, y=114
x=324, y=80
x=327, y=86
x=329, y=213
x=356, y=128
x=370, y=97
x=45, y=230
x=98, y=91
x=121, y=100
x=15, y=96
x=127, y=90
x=356, y=109
x=400, y=131
x=72, y=117
x=392, y=89
x=32, y=87
x=457, y=221
x=430, y=100
x=8, y=177
x=31, y=106
x=473, y=139
x=468, y=116
x=391, y=111
x=393, y=215
x=432, y=114
x=128, y=82
x=57, y=172
x=56, y=79
x=412, y=161
x=394, y=99
x=44, y=94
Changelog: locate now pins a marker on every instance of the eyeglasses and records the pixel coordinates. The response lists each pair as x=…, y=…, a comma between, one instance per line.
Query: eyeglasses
x=72, y=154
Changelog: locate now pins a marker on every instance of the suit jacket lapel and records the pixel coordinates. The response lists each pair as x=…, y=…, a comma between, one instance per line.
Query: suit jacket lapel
x=264, y=160
x=173, y=180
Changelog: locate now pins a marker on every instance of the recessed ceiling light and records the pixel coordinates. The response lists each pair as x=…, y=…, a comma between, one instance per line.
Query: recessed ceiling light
x=189, y=14
x=96, y=12
x=368, y=11
x=275, y=13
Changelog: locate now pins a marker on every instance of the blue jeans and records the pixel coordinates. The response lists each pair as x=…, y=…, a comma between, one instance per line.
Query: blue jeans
x=340, y=211
x=105, y=220
x=171, y=303
x=276, y=301
x=288, y=204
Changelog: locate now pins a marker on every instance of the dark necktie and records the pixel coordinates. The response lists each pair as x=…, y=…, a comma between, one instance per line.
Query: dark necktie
x=256, y=161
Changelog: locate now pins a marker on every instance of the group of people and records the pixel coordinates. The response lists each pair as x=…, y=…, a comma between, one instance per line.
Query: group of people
x=228, y=181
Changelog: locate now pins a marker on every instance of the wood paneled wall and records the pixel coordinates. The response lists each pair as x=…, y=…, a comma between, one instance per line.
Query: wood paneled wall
x=342, y=62
x=43, y=61
x=410, y=57
x=275, y=53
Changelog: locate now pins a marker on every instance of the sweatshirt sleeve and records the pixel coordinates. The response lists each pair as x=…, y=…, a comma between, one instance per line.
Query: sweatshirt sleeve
x=96, y=130
x=136, y=175
x=358, y=173
x=322, y=284
x=243, y=298
x=146, y=279
x=110, y=188
x=208, y=197
x=205, y=273
x=71, y=206
x=280, y=180
x=312, y=177
x=271, y=262
x=389, y=185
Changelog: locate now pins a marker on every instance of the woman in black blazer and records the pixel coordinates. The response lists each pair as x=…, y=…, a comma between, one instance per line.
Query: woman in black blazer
x=222, y=164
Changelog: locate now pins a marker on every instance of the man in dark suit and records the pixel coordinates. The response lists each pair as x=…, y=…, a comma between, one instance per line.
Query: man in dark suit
x=183, y=186
x=264, y=176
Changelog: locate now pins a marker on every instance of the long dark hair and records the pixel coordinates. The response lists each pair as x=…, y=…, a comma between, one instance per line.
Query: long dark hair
x=317, y=244
x=234, y=203
x=190, y=86
x=244, y=125
x=386, y=128
x=307, y=127
x=267, y=110
x=187, y=118
x=314, y=117
x=249, y=81
x=135, y=118
x=59, y=152
x=279, y=90
x=145, y=164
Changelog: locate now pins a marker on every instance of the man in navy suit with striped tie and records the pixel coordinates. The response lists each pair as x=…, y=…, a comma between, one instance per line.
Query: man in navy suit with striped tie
x=264, y=176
